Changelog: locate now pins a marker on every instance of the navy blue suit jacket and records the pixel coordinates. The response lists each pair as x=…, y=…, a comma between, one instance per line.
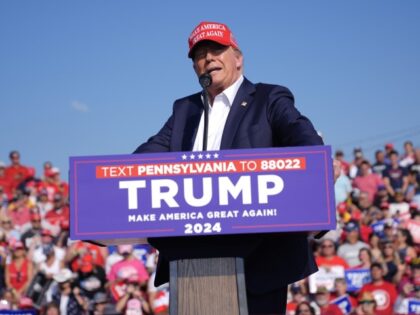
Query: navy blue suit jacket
x=261, y=116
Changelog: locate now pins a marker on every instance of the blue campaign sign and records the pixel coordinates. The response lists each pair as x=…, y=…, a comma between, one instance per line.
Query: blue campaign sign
x=344, y=303
x=356, y=278
x=201, y=193
x=414, y=307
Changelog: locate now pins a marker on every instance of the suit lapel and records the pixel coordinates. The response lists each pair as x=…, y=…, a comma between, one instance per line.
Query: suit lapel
x=241, y=103
x=194, y=112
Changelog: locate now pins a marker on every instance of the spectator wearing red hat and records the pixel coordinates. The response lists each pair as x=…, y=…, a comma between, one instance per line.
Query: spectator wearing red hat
x=345, y=166
x=384, y=292
x=19, y=271
x=59, y=186
x=16, y=172
x=79, y=249
x=91, y=278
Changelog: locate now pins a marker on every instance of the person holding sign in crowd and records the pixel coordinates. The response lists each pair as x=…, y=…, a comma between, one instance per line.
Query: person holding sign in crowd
x=241, y=115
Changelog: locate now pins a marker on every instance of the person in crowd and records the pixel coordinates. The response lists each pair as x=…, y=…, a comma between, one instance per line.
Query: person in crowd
x=16, y=172
x=350, y=249
x=395, y=176
x=19, y=271
x=409, y=155
x=124, y=269
x=375, y=247
x=91, y=278
x=327, y=256
x=20, y=210
x=42, y=248
x=367, y=181
x=347, y=301
x=405, y=245
x=5, y=182
x=413, y=226
x=322, y=303
x=379, y=166
x=345, y=166
x=384, y=292
x=399, y=208
x=59, y=213
x=67, y=297
x=366, y=305
x=78, y=250
x=365, y=257
x=50, y=309
x=408, y=288
x=43, y=204
x=101, y=305
x=342, y=188
x=133, y=300
x=34, y=230
x=304, y=308
x=393, y=266
x=413, y=189
x=7, y=228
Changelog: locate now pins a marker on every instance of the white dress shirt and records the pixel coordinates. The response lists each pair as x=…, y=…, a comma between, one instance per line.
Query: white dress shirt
x=218, y=113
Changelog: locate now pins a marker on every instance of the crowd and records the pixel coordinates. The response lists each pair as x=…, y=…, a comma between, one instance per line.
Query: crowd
x=368, y=265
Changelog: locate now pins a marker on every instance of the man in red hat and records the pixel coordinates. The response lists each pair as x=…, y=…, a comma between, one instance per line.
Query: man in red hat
x=241, y=115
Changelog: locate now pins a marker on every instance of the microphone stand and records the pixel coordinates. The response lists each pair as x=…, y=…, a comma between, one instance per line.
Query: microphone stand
x=205, y=82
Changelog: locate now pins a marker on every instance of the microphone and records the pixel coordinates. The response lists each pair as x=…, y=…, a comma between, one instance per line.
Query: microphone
x=205, y=81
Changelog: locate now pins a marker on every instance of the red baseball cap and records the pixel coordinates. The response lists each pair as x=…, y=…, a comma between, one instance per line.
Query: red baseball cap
x=216, y=32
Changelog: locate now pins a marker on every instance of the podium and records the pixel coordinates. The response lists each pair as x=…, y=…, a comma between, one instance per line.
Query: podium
x=186, y=194
x=208, y=286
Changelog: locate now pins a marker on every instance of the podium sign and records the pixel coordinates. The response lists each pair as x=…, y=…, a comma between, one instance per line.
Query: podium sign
x=201, y=193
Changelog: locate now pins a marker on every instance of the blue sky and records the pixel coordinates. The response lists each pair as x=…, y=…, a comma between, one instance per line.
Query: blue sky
x=99, y=77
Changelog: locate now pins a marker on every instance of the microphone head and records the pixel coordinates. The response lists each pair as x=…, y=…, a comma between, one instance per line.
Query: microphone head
x=205, y=80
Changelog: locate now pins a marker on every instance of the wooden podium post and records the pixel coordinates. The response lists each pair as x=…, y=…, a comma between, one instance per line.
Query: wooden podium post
x=208, y=286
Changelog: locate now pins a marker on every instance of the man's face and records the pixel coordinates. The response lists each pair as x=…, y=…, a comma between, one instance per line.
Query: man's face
x=380, y=157
x=223, y=63
x=376, y=273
